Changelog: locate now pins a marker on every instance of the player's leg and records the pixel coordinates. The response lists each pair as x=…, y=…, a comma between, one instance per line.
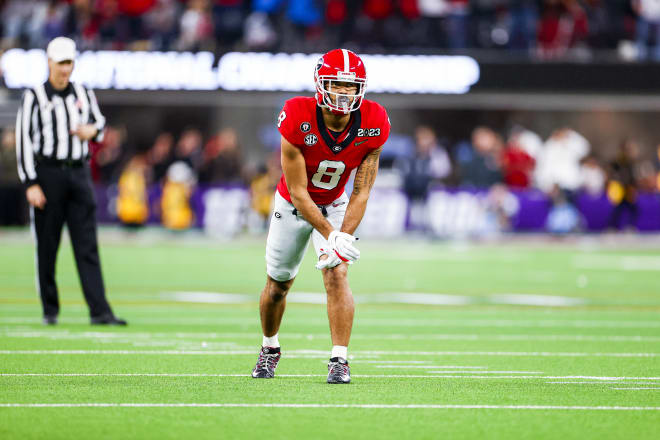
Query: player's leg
x=271, y=308
x=288, y=237
x=340, y=304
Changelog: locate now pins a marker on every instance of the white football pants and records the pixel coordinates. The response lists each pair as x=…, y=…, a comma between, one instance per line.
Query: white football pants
x=289, y=234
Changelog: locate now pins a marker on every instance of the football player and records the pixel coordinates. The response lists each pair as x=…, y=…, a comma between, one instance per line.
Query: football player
x=323, y=139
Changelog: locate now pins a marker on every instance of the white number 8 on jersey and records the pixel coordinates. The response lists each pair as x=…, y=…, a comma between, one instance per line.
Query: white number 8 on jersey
x=335, y=175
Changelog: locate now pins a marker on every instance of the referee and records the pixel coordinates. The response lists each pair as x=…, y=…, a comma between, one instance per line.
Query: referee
x=53, y=126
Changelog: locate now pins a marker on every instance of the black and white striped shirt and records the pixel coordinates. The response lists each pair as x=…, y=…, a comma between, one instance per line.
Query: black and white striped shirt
x=44, y=122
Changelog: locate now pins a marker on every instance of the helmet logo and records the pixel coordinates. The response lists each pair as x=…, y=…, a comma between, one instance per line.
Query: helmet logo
x=349, y=76
x=305, y=127
x=311, y=139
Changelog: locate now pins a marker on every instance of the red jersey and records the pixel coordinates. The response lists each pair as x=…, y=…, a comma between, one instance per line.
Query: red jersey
x=329, y=159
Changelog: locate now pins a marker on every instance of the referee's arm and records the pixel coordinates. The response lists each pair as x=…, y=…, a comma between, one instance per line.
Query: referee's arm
x=95, y=116
x=27, y=170
x=24, y=148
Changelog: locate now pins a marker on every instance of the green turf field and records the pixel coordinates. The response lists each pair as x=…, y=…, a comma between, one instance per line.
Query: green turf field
x=506, y=341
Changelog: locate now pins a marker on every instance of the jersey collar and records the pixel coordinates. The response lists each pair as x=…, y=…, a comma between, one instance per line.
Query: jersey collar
x=334, y=146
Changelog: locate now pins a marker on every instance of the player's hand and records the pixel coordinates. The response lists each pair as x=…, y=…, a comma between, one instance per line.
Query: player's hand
x=331, y=261
x=342, y=244
x=85, y=132
x=35, y=196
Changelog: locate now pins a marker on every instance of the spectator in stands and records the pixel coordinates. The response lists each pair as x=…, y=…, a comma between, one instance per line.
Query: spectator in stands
x=222, y=161
x=189, y=149
x=107, y=158
x=656, y=162
x=623, y=186
x=160, y=155
x=196, y=27
x=517, y=164
x=457, y=24
x=228, y=18
x=176, y=210
x=593, y=176
x=479, y=161
x=161, y=22
x=430, y=163
x=501, y=206
x=563, y=26
x=259, y=33
x=559, y=161
x=523, y=21
x=79, y=24
x=262, y=191
x=132, y=198
x=13, y=207
x=647, y=28
x=563, y=217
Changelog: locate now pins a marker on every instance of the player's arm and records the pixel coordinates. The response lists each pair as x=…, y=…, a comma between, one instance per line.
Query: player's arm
x=295, y=174
x=364, y=181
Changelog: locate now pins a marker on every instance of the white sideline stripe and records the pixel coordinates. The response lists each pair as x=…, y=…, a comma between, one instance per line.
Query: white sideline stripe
x=374, y=322
x=603, y=382
x=319, y=405
x=639, y=388
x=66, y=334
x=487, y=372
x=617, y=262
x=429, y=298
x=429, y=367
x=603, y=379
x=459, y=367
x=324, y=353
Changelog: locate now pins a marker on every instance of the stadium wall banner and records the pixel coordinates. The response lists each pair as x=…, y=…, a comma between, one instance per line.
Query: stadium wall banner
x=223, y=211
x=429, y=74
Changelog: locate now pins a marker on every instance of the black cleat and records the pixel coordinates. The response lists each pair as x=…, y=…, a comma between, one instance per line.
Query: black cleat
x=267, y=362
x=50, y=320
x=338, y=371
x=108, y=319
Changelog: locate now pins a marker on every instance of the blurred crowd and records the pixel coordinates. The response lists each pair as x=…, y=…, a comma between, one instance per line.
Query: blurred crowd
x=546, y=29
x=562, y=166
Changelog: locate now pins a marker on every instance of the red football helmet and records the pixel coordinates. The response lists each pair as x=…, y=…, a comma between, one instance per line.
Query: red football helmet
x=340, y=65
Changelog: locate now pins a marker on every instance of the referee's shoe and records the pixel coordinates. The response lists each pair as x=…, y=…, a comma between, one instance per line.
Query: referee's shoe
x=108, y=319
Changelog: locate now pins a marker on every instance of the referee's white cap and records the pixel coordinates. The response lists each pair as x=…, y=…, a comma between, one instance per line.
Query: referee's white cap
x=61, y=49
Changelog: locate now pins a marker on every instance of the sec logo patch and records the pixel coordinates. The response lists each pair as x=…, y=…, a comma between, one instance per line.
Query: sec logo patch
x=311, y=139
x=305, y=127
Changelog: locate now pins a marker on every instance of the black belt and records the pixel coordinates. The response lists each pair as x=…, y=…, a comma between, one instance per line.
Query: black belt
x=322, y=208
x=61, y=163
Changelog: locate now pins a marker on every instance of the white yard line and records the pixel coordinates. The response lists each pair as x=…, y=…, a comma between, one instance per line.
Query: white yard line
x=373, y=322
x=639, y=388
x=67, y=334
x=624, y=263
x=320, y=405
x=600, y=382
x=424, y=298
x=323, y=353
x=486, y=372
x=603, y=379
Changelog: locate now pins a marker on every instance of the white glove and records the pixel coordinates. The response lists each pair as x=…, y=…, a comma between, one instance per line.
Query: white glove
x=342, y=244
x=330, y=262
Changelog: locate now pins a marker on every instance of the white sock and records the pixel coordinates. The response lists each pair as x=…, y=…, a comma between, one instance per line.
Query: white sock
x=339, y=351
x=271, y=341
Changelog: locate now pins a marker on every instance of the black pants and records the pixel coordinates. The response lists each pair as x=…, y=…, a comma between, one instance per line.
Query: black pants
x=69, y=198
